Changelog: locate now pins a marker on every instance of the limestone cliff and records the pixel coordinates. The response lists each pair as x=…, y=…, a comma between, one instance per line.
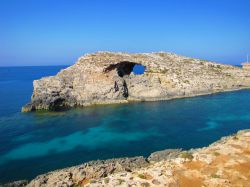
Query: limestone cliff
x=105, y=77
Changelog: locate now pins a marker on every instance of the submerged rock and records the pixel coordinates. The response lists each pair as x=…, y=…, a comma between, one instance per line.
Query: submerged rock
x=104, y=78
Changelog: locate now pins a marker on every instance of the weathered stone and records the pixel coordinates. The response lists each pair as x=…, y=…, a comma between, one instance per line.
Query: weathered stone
x=20, y=183
x=105, y=77
x=89, y=170
x=156, y=182
x=164, y=155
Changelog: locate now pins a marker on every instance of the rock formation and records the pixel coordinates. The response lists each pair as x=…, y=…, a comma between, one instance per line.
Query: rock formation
x=105, y=77
x=224, y=163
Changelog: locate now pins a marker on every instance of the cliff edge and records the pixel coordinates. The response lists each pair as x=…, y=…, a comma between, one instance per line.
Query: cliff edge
x=105, y=77
x=224, y=163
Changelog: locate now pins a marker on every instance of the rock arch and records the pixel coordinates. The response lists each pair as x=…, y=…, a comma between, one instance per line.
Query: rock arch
x=122, y=68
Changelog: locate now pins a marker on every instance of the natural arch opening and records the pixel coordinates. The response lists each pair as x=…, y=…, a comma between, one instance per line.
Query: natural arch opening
x=138, y=69
x=125, y=68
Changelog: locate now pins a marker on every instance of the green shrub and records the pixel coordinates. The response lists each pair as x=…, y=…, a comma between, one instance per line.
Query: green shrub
x=235, y=137
x=215, y=175
x=187, y=155
x=216, y=153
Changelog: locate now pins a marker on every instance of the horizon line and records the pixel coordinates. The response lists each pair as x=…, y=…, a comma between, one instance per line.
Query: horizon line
x=16, y=66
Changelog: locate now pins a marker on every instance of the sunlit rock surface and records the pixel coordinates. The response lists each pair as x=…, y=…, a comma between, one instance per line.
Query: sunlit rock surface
x=104, y=78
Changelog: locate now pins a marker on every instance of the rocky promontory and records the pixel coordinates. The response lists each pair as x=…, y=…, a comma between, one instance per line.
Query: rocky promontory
x=225, y=163
x=105, y=77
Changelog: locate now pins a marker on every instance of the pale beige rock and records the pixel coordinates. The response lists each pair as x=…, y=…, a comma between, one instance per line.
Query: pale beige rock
x=105, y=77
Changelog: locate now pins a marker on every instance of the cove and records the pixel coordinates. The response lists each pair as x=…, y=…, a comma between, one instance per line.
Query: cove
x=34, y=143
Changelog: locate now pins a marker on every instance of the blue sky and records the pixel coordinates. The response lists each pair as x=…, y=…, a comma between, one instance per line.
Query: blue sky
x=52, y=32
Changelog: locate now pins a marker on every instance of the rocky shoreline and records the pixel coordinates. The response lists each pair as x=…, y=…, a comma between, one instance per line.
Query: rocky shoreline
x=108, y=78
x=223, y=163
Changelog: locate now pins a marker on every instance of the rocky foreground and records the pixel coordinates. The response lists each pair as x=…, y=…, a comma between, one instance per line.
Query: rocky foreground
x=104, y=78
x=225, y=163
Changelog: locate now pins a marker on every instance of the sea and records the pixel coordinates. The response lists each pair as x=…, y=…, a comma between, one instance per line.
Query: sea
x=38, y=142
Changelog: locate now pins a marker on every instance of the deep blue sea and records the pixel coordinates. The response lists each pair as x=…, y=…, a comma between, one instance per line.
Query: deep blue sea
x=34, y=143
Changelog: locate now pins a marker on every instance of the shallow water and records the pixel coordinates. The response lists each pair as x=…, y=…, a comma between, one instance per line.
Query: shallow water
x=34, y=143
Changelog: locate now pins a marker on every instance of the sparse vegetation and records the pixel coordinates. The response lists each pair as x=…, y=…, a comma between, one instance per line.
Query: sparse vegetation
x=214, y=175
x=204, y=60
x=145, y=176
x=145, y=184
x=187, y=60
x=106, y=180
x=187, y=155
x=161, y=54
x=120, y=181
x=164, y=71
x=92, y=181
x=150, y=71
x=235, y=137
x=216, y=153
x=78, y=185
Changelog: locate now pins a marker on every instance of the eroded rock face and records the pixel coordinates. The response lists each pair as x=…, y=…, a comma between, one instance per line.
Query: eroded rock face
x=105, y=77
x=89, y=170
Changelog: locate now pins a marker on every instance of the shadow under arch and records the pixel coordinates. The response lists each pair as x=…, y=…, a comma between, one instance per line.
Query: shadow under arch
x=125, y=68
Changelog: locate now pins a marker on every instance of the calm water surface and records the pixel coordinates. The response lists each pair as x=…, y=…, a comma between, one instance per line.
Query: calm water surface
x=34, y=143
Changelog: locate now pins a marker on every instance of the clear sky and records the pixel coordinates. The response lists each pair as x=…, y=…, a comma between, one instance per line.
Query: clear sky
x=54, y=32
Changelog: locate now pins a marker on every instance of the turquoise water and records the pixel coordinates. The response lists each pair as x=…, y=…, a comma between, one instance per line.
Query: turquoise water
x=34, y=143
